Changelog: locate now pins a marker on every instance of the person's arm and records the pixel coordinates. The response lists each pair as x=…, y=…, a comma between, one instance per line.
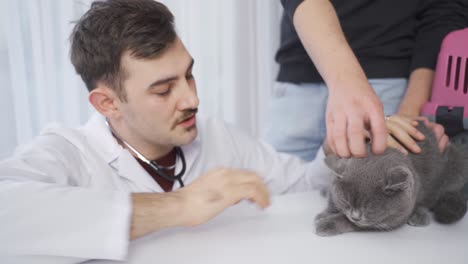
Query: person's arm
x=353, y=108
x=154, y=211
x=436, y=19
x=281, y=172
x=417, y=93
x=51, y=208
x=198, y=202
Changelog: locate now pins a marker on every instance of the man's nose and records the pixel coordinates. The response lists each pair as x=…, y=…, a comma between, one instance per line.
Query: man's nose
x=189, y=98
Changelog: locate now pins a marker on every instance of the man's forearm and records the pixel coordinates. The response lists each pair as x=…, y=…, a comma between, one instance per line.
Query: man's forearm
x=418, y=92
x=320, y=32
x=154, y=211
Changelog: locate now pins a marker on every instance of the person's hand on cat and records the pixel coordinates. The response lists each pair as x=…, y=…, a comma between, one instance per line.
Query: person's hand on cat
x=403, y=133
x=438, y=130
x=402, y=130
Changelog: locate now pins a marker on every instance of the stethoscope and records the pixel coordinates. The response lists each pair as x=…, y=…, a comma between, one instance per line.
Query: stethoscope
x=157, y=168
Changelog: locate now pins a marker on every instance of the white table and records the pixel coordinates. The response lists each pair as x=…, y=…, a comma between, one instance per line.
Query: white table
x=284, y=233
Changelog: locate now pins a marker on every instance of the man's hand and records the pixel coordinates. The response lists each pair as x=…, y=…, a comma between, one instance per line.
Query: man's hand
x=353, y=108
x=353, y=114
x=438, y=130
x=210, y=194
x=198, y=202
x=403, y=129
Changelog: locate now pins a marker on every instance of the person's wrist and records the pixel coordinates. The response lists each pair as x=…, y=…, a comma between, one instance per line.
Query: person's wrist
x=181, y=208
x=187, y=216
x=408, y=112
x=155, y=211
x=346, y=78
x=410, y=107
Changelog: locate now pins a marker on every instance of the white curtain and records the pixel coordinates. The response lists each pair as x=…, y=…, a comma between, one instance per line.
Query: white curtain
x=232, y=41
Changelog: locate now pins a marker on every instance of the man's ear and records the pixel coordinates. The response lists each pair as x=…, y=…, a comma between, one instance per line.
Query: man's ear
x=105, y=101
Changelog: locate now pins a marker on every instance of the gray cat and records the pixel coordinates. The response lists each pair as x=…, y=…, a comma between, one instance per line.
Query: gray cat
x=383, y=192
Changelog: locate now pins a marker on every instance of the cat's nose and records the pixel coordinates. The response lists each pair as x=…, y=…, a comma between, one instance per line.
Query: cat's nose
x=355, y=215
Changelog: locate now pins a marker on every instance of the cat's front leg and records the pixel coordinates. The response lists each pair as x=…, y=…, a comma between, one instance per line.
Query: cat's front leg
x=420, y=217
x=330, y=210
x=326, y=213
x=331, y=224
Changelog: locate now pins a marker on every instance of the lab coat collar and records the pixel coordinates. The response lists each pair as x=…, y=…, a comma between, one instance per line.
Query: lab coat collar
x=104, y=143
x=100, y=137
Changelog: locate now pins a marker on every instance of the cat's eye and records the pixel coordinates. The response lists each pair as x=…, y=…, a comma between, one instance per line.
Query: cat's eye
x=390, y=192
x=345, y=204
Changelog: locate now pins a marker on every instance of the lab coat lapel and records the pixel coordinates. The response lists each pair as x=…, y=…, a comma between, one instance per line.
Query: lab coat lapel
x=129, y=168
x=100, y=137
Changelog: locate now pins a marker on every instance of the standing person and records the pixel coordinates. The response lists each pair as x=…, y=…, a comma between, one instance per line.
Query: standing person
x=344, y=64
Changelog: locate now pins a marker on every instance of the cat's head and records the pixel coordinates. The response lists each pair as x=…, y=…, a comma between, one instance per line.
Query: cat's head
x=377, y=191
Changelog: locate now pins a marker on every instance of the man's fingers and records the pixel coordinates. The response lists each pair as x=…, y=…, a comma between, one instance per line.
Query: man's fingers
x=397, y=132
x=340, y=136
x=219, y=189
x=254, y=192
x=406, y=124
x=379, y=132
x=260, y=195
x=439, y=133
x=243, y=176
x=437, y=129
x=424, y=119
x=326, y=147
x=391, y=142
x=330, y=139
x=356, y=137
x=443, y=142
x=248, y=185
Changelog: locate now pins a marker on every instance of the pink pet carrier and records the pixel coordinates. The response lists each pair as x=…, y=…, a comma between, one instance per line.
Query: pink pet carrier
x=449, y=101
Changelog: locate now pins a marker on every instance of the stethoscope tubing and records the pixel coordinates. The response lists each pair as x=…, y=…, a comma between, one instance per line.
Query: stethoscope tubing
x=160, y=171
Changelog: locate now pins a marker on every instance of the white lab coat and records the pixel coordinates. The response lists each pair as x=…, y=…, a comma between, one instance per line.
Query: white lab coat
x=67, y=194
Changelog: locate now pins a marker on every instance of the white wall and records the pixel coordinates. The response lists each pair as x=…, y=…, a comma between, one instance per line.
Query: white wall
x=233, y=43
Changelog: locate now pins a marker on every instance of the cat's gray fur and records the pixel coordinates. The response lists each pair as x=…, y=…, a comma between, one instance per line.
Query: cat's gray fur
x=382, y=192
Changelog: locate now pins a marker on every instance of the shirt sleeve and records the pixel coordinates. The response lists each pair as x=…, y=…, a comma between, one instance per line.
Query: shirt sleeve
x=290, y=6
x=436, y=19
x=282, y=173
x=45, y=212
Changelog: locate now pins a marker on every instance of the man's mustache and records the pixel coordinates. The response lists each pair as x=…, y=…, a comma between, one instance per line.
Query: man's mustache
x=186, y=114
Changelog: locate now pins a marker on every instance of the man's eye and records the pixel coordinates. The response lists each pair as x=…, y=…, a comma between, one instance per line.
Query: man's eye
x=189, y=76
x=163, y=93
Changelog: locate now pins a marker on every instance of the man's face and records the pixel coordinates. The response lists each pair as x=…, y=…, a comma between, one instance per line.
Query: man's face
x=161, y=99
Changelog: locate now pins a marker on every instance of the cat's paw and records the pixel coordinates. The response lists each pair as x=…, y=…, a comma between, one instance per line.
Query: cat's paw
x=420, y=217
x=321, y=216
x=326, y=227
x=331, y=224
x=450, y=208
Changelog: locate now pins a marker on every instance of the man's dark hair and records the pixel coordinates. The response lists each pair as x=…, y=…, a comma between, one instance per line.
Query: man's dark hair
x=145, y=28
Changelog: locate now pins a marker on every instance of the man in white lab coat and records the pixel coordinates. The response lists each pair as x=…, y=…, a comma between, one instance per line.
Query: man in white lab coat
x=84, y=193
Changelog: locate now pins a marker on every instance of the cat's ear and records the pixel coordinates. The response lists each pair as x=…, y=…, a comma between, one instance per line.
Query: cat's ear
x=336, y=164
x=398, y=179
